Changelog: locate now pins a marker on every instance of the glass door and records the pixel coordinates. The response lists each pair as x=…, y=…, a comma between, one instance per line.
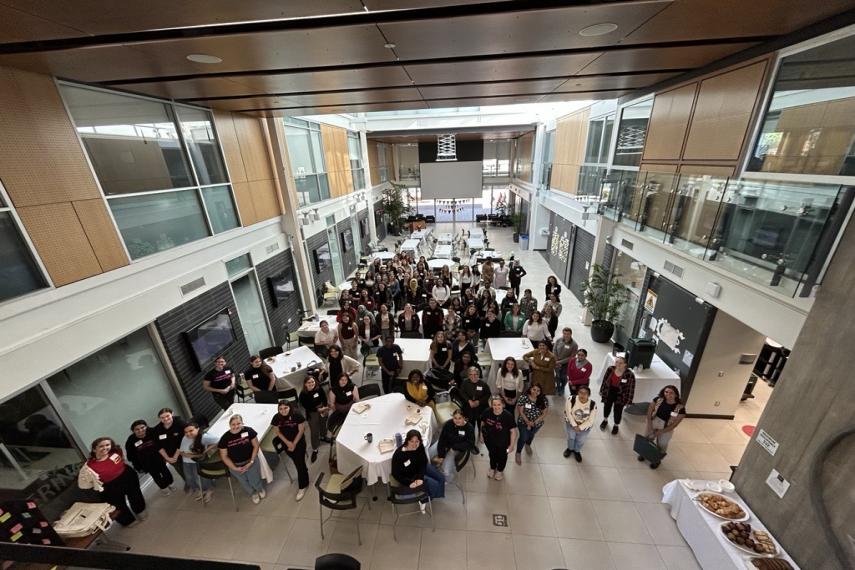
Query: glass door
x=357, y=240
x=335, y=250
x=251, y=312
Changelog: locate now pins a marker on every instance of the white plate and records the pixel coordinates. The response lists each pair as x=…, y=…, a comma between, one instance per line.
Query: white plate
x=712, y=486
x=695, y=485
x=747, y=550
x=743, y=518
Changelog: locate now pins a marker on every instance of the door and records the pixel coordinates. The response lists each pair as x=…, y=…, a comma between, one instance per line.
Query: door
x=580, y=263
x=251, y=312
x=335, y=250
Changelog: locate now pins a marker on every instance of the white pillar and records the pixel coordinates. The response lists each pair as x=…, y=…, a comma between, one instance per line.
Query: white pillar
x=369, y=195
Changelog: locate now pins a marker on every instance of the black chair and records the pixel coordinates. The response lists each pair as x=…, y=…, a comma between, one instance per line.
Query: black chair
x=270, y=351
x=399, y=496
x=337, y=562
x=368, y=391
x=461, y=460
x=213, y=468
x=511, y=334
x=340, y=494
x=430, y=219
x=265, y=397
x=333, y=312
x=289, y=395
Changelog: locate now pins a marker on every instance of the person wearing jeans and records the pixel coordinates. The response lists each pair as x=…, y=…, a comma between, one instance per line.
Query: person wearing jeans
x=499, y=434
x=239, y=451
x=617, y=391
x=192, y=450
x=457, y=436
x=580, y=412
x=410, y=467
x=531, y=412
x=664, y=414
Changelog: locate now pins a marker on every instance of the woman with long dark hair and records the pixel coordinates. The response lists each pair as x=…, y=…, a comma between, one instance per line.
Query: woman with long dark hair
x=192, y=452
x=411, y=468
x=339, y=363
x=531, y=413
x=617, y=390
x=290, y=426
x=664, y=414
x=106, y=472
x=315, y=404
x=342, y=395
x=509, y=383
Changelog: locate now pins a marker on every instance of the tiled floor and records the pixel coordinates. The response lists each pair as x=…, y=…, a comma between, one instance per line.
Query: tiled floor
x=603, y=513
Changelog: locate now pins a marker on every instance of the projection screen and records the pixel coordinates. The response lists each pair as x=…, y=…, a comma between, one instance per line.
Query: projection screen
x=455, y=179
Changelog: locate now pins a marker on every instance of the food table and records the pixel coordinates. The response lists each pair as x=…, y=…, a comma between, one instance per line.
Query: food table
x=256, y=416
x=475, y=243
x=702, y=530
x=445, y=238
x=445, y=250
x=386, y=417
x=502, y=347
x=648, y=381
x=290, y=367
x=421, y=234
x=438, y=263
x=309, y=328
x=491, y=253
x=411, y=245
x=416, y=354
x=476, y=233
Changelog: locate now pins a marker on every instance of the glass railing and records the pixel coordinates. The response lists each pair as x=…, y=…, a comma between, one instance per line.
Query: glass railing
x=775, y=233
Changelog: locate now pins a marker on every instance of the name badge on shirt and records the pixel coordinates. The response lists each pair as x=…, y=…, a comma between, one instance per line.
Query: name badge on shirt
x=245, y=434
x=255, y=376
x=479, y=388
x=138, y=443
x=228, y=372
x=461, y=432
x=443, y=349
x=115, y=458
x=316, y=395
x=162, y=436
x=528, y=406
x=546, y=360
x=673, y=414
x=623, y=380
x=407, y=463
x=348, y=393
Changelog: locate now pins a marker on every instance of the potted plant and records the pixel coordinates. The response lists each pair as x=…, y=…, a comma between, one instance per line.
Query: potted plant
x=604, y=298
x=516, y=220
x=393, y=206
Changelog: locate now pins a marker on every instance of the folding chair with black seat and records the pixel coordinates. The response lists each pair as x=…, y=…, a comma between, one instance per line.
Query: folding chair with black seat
x=510, y=334
x=293, y=337
x=274, y=446
x=400, y=495
x=289, y=395
x=270, y=351
x=461, y=460
x=242, y=389
x=368, y=391
x=213, y=468
x=340, y=494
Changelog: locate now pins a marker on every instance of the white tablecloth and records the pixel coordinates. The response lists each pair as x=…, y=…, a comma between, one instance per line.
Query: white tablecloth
x=309, y=328
x=648, y=382
x=421, y=234
x=384, y=255
x=438, y=263
x=476, y=233
x=703, y=531
x=475, y=243
x=384, y=419
x=411, y=245
x=444, y=250
x=283, y=363
x=445, y=238
x=491, y=253
x=502, y=347
x=416, y=354
x=256, y=416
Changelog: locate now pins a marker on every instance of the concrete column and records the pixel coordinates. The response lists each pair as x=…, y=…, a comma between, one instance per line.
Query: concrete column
x=810, y=415
x=372, y=225
x=290, y=222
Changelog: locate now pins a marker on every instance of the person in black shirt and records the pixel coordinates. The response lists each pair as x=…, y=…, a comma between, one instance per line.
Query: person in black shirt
x=476, y=393
x=440, y=352
x=516, y=275
x=290, y=433
x=220, y=382
x=314, y=402
x=168, y=435
x=508, y=302
x=261, y=380
x=552, y=287
x=664, y=414
x=457, y=436
x=471, y=323
x=462, y=366
x=390, y=357
x=432, y=318
x=491, y=327
x=239, y=451
x=342, y=395
x=411, y=468
x=499, y=434
x=142, y=453
x=463, y=345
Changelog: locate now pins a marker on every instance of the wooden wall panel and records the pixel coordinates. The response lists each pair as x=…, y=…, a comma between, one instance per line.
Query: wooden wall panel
x=723, y=111
x=60, y=241
x=231, y=147
x=253, y=147
x=263, y=194
x=669, y=122
x=337, y=160
x=243, y=197
x=373, y=163
x=571, y=136
x=101, y=233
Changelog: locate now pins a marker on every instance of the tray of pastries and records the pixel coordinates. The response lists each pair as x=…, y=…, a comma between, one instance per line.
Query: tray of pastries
x=768, y=564
x=757, y=542
x=721, y=507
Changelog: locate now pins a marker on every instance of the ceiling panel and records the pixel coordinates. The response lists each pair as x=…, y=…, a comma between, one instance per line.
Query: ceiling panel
x=366, y=108
x=497, y=69
x=485, y=89
x=690, y=19
x=110, y=16
x=661, y=58
x=272, y=50
x=323, y=99
x=373, y=5
x=18, y=26
x=599, y=83
x=480, y=101
x=583, y=96
x=516, y=31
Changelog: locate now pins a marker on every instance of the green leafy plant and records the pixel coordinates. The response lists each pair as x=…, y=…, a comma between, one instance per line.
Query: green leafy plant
x=394, y=206
x=516, y=220
x=604, y=294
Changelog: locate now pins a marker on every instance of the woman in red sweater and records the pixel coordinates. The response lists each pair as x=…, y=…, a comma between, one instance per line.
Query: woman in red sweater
x=579, y=371
x=121, y=483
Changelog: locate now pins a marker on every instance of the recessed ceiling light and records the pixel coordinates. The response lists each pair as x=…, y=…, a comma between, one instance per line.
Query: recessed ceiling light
x=598, y=29
x=204, y=58
x=390, y=45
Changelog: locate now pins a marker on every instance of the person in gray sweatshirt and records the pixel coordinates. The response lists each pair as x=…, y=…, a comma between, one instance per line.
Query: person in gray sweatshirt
x=565, y=349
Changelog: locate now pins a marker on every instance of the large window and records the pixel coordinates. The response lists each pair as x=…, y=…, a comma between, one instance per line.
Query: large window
x=408, y=161
x=149, y=155
x=548, y=156
x=383, y=168
x=306, y=154
x=599, y=140
x=354, y=151
x=632, y=133
x=19, y=273
x=809, y=127
x=497, y=157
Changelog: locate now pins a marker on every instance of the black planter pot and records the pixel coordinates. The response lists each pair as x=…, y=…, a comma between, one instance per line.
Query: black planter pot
x=516, y=237
x=601, y=331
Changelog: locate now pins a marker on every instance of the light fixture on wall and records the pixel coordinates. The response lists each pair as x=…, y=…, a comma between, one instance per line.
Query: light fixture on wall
x=315, y=215
x=600, y=29
x=204, y=58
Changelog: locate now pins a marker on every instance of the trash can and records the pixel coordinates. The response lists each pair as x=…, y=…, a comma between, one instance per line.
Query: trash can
x=524, y=242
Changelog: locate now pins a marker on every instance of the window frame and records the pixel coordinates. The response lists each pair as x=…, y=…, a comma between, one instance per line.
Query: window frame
x=7, y=206
x=184, y=149
x=309, y=127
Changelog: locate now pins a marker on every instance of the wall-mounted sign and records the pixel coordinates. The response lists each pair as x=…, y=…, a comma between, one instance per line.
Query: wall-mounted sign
x=650, y=301
x=767, y=441
x=777, y=483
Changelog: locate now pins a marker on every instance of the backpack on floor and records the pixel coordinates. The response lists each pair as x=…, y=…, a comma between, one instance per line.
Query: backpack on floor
x=83, y=519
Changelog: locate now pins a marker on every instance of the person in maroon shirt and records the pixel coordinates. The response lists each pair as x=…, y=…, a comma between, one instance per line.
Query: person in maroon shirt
x=617, y=390
x=121, y=483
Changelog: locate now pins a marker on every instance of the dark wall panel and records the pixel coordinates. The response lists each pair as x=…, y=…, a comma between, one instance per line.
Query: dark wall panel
x=171, y=327
x=608, y=256
x=348, y=258
x=378, y=220
x=319, y=278
x=466, y=151
x=286, y=317
x=583, y=253
x=364, y=231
